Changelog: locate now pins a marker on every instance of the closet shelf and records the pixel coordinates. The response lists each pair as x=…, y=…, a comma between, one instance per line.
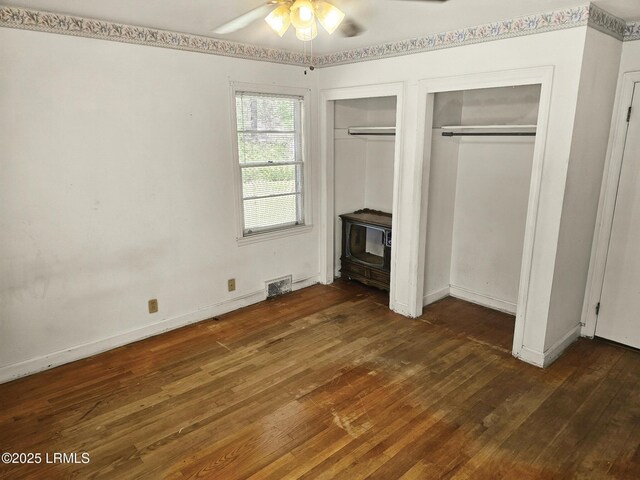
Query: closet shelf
x=488, y=130
x=376, y=131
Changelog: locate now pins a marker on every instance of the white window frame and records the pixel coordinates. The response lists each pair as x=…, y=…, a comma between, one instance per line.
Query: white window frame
x=267, y=233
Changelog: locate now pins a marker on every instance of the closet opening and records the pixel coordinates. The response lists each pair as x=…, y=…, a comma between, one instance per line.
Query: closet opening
x=364, y=150
x=479, y=175
x=361, y=158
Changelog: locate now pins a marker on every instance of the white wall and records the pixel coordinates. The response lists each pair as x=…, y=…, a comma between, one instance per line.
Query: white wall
x=501, y=106
x=363, y=164
x=630, y=59
x=600, y=68
x=443, y=177
x=560, y=49
x=441, y=208
x=492, y=196
x=115, y=188
x=478, y=197
x=379, y=174
x=492, y=193
x=350, y=164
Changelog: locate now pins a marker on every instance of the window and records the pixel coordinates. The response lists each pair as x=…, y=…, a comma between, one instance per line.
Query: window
x=271, y=160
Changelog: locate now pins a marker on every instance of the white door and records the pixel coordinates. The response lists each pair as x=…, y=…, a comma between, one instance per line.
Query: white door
x=619, y=317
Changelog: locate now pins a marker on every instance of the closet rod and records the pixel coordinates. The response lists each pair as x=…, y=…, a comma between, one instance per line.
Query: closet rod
x=371, y=134
x=372, y=131
x=489, y=134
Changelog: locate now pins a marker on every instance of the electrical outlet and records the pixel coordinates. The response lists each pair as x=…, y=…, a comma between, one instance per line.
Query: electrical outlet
x=231, y=284
x=153, y=305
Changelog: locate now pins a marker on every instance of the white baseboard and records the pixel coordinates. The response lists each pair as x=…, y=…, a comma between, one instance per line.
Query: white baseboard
x=429, y=298
x=481, y=299
x=402, y=309
x=532, y=357
x=305, y=282
x=552, y=353
x=45, y=362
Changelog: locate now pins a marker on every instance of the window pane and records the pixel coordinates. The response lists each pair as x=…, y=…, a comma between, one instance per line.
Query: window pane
x=268, y=132
x=261, y=112
x=261, y=181
x=266, y=147
x=267, y=212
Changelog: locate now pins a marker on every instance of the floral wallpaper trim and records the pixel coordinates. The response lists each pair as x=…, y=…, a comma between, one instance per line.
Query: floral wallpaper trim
x=538, y=23
x=591, y=15
x=632, y=31
x=84, y=27
x=606, y=23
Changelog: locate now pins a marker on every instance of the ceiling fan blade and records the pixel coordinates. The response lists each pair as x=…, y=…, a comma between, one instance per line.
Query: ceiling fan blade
x=350, y=28
x=245, y=19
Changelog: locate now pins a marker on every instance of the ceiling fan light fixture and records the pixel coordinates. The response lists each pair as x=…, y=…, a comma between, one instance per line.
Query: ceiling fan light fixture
x=279, y=19
x=302, y=16
x=329, y=16
x=307, y=34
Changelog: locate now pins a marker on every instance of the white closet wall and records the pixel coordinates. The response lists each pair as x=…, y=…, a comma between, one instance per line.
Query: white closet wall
x=478, y=197
x=363, y=164
x=378, y=192
x=442, y=196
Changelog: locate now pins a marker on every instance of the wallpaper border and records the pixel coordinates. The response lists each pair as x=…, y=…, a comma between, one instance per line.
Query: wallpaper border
x=591, y=15
x=14, y=17
x=632, y=31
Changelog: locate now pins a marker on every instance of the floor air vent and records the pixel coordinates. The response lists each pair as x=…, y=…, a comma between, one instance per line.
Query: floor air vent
x=279, y=286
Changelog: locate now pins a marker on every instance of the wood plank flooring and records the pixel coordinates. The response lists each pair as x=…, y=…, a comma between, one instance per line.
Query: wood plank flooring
x=327, y=383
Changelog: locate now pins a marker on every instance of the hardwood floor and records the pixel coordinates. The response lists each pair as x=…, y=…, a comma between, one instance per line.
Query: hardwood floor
x=328, y=383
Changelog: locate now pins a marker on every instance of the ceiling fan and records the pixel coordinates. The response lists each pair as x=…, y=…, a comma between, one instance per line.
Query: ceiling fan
x=279, y=14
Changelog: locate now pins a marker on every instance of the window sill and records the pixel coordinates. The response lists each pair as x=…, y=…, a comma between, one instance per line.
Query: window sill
x=274, y=234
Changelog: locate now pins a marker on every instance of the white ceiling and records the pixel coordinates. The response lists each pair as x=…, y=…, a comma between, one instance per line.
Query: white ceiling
x=384, y=20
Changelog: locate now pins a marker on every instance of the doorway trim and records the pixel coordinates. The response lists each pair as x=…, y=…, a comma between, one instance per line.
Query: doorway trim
x=427, y=88
x=607, y=203
x=327, y=168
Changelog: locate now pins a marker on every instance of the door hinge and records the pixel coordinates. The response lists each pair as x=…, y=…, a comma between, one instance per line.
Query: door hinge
x=598, y=309
x=629, y=114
